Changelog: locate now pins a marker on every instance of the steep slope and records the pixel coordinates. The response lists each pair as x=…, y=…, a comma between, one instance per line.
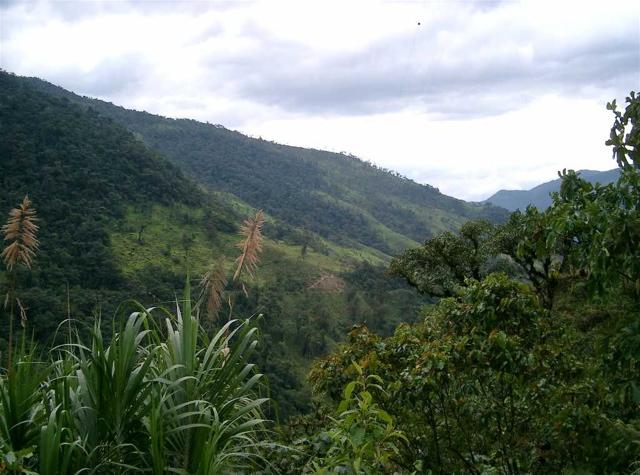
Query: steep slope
x=119, y=221
x=539, y=196
x=336, y=196
x=82, y=170
x=84, y=173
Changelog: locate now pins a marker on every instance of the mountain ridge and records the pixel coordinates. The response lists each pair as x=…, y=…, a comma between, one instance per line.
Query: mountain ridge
x=539, y=195
x=121, y=223
x=335, y=196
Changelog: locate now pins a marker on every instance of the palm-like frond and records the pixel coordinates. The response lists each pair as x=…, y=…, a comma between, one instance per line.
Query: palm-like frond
x=250, y=246
x=150, y=400
x=20, y=231
x=206, y=410
x=21, y=405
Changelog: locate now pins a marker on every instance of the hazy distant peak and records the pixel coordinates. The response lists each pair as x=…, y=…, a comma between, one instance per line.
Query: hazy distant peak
x=540, y=195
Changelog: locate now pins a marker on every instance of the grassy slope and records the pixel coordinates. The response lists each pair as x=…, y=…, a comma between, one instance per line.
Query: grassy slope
x=162, y=243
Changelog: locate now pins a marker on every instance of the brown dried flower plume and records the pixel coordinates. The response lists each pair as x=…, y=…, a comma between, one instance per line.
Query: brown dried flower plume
x=251, y=245
x=20, y=231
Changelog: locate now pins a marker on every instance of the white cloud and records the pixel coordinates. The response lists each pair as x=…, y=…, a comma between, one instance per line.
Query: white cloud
x=466, y=158
x=467, y=96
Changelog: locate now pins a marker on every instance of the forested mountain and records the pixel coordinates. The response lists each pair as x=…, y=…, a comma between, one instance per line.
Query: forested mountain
x=540, y=196
x=83, y=171
x=339, y=197
x=119, y=221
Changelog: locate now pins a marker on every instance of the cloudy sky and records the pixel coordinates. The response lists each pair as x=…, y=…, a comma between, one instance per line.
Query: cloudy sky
x=469, y=96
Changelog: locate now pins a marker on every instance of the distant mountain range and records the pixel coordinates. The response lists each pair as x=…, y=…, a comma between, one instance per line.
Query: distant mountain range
x=540, y=196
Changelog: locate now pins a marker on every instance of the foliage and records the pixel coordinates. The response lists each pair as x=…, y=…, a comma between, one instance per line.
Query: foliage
x=337, y=196
x=530, y=239
x=81, y=170
x=602, y=223
x=492, y=381
x=625, y=140
x=537, y=375
x=441, y=266
x=117, y=220
x=172, y=400
x=362, y=439
x=603, y=226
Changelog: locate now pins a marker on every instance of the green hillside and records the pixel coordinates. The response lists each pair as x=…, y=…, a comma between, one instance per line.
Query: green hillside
x=533, y=369
x=339, y=197
x=118, y=221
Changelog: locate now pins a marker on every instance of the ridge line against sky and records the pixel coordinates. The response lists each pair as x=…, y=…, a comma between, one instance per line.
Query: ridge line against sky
x=468, y=96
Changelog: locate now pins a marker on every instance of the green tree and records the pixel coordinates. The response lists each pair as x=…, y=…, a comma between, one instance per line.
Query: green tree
x=442, y=265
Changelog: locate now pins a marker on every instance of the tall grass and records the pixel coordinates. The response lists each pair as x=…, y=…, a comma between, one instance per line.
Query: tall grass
x=213, y=283
x=250, y=246
x=161, y=396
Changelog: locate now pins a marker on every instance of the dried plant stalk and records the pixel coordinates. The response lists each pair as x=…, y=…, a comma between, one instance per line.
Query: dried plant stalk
x=251, y=245
x=23, y=313
x=213, y=284
x=20, y=230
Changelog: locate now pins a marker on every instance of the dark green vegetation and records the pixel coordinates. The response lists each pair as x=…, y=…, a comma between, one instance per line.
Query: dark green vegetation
x=82, y=171
x=532, y=369
x=540, y=196
x=337, y=196
x=535, y=369
x=162, y=396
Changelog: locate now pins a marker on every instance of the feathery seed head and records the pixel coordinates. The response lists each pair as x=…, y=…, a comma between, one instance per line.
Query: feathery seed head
x=251, y=245
x=20, y=230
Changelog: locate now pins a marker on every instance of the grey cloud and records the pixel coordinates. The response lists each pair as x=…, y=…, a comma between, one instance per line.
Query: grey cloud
x=406, y=71
x=419, y=70
x=111, y=77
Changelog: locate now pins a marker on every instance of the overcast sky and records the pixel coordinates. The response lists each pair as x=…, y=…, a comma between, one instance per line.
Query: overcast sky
x=468, y=96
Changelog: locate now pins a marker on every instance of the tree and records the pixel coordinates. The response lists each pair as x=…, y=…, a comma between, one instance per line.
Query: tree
x=601, y=224
x=525, y=239
x=443, y=264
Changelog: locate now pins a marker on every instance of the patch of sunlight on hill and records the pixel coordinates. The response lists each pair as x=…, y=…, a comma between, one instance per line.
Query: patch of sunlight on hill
x=163, y=236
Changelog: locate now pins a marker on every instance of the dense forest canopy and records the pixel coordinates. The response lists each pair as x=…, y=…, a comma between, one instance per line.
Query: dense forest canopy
x=534, y=369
